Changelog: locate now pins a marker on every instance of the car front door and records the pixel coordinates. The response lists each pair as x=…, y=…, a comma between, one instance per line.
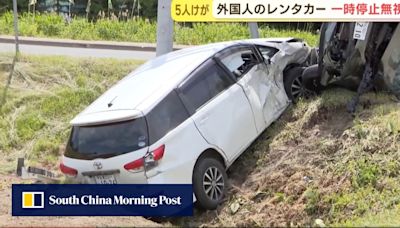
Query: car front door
x=219, y=108
x=252, y=74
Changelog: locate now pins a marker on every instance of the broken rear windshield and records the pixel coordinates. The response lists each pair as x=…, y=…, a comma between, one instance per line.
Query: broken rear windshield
x=102, y=141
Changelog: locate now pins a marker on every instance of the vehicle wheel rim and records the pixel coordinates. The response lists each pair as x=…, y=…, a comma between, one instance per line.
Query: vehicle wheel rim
x=298, y=89
x=213, y=183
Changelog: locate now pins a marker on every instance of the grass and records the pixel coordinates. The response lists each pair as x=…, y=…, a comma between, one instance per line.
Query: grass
x=383, y=219
x=361, y=156
x=51, y=25
x=316, y=162
x=367, y=156
x=45, y=94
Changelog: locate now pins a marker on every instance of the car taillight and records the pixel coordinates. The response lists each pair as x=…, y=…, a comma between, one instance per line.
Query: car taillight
x=68, y=170
x=136, y=165
x=158, y=153
x=149, y=161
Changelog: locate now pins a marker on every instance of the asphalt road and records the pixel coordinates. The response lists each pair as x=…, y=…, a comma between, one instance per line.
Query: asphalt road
x=78, y=52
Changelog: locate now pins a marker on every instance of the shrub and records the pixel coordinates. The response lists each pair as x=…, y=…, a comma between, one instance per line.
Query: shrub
x=140, y=30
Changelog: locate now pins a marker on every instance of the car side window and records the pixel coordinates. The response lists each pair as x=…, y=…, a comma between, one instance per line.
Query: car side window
x=239, y=60
x=204, y=84
x=165, y=116
x=267, y=52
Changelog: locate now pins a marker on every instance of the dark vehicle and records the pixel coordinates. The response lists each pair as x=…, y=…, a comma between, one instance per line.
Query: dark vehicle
x=357, y=56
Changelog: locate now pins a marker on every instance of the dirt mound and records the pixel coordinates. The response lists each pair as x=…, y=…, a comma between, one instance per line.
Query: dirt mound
x=280, y=186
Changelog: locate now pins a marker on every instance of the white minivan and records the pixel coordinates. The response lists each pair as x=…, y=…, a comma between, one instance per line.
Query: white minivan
x=184, y=117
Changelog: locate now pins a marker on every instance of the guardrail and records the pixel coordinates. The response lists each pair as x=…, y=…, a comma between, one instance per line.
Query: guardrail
x=147, y=47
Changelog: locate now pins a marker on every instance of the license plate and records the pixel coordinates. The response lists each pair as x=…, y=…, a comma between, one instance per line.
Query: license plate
x=360, y=30
x=108, y=179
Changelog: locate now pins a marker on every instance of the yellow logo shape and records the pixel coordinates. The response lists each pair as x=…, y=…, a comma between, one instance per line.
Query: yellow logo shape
x=32, y=199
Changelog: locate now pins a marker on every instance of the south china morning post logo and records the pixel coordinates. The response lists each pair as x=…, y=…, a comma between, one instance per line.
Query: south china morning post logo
x=32, y=200
x=117, y=200
x=102, y=200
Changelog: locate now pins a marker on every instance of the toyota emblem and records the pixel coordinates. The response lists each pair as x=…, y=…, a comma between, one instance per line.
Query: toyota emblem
x=97, y=165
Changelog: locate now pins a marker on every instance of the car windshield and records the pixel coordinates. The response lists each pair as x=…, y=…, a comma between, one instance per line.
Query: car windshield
x=107, y=140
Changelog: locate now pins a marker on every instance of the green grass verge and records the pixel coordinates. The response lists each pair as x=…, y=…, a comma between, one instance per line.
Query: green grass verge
x=45, y=94
x=358, y=157
x=51, y=25
x=385, y=218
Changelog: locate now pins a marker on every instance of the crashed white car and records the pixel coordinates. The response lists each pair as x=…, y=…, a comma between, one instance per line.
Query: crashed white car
x=184, y=117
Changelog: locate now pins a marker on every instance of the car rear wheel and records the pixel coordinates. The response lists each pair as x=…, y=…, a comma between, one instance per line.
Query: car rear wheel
x=294, y=85
x=209, y=183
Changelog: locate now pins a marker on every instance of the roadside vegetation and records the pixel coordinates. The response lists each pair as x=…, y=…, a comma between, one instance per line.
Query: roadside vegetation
x=140, y=30
x=316, y=163
x=45, y=94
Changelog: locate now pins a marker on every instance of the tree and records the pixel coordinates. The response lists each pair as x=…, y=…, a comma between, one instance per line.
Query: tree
x=149, y=8
x=7, y=5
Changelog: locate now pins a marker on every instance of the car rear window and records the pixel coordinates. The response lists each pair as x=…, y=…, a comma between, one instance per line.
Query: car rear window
x=102, y=141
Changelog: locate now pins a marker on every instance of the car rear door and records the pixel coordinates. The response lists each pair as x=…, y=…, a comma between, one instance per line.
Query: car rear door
x=219, y=108
x=100, y=153
x=252, y=74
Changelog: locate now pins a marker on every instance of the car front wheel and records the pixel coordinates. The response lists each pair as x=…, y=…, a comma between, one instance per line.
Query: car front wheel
x=209, y=183
x=294, y=85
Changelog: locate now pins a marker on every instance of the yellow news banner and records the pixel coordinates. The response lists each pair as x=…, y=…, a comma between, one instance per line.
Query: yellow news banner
x=192, y=10
x=284, y=10
x=196, y=11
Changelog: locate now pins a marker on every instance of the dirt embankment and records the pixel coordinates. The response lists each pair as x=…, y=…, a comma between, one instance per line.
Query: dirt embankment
x=271, y=189
x=303, y=166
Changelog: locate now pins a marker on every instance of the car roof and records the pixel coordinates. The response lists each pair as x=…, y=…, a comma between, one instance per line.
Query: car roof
x=143, y=88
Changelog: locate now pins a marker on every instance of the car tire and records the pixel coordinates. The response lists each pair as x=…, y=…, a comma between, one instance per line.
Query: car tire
x=313, y=59
x=293, y=83
x=209, y=183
